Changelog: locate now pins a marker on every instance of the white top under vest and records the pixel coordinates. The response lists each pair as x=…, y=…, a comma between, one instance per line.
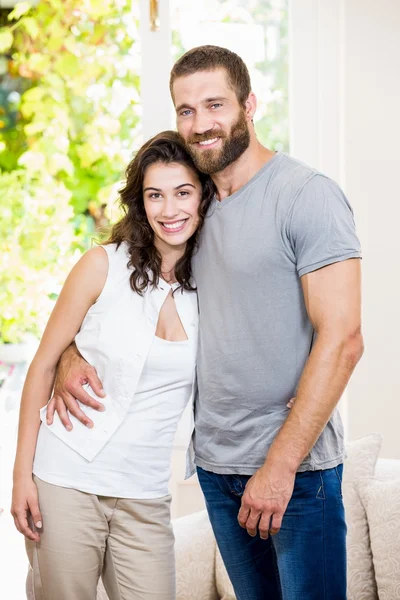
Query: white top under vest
x=148, y=382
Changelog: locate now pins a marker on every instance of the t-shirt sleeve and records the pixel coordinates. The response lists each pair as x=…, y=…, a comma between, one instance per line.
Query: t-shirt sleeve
x=320, y=227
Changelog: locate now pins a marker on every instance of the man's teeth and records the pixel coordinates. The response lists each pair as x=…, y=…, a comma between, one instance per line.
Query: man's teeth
x=208, y=142
x=173, y=225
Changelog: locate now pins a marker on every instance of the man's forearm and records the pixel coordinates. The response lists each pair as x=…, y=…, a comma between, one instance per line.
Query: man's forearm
x=323, y=381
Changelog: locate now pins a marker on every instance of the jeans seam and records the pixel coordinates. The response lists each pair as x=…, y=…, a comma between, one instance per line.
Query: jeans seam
x=323, y=547
x=275, y=561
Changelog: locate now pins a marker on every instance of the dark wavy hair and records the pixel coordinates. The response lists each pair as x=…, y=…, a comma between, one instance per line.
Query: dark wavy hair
x=134, y=228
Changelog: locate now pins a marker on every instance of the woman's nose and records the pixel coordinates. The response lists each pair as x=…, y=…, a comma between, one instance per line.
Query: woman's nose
x=170, y=208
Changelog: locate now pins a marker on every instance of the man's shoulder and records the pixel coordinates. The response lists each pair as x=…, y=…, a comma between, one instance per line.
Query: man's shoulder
x=293, y=179
x=292, y=173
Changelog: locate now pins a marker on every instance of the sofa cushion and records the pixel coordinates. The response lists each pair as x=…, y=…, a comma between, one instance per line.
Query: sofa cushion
x=195, y=557
x=387, y=469
x=382, y=502
x=359, y=467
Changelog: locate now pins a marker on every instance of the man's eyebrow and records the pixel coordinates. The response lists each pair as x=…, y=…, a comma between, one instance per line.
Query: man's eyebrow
x=216, y=99
x=206, y=101
x=179, y=108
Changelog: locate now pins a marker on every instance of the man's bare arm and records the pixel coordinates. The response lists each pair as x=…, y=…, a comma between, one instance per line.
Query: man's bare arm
x=72, y=373
x=333, y=301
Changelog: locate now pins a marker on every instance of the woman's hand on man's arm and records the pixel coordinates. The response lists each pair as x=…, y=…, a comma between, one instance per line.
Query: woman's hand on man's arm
x=72, y=373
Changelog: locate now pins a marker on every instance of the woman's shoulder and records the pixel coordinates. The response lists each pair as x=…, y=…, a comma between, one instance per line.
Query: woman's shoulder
x=105, y=262
x=96, y=257
x=93, y=263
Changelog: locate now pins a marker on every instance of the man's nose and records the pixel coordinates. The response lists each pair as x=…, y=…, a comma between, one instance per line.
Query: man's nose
x=202, y=123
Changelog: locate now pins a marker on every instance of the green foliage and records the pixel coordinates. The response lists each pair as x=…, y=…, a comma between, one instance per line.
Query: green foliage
x=69, y=122
x=36, y=246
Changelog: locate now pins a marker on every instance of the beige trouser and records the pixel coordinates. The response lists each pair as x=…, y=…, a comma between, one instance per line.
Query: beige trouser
x=129, y=543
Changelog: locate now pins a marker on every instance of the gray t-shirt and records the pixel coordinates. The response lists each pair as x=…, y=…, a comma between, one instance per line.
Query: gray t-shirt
x=255, y=334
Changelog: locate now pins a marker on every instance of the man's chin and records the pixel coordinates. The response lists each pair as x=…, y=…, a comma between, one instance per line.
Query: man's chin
x=207, y=161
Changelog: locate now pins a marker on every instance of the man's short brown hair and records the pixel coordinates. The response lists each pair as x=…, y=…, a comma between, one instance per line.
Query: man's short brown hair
x=209, y=58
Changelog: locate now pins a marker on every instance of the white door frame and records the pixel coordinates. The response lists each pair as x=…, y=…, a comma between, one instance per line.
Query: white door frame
x=316, y=82
x=156, y=65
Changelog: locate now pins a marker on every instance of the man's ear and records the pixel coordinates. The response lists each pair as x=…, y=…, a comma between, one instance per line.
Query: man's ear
x=251, y=106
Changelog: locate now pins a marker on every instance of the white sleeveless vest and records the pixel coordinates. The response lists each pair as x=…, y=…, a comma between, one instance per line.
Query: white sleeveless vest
x=115, y=337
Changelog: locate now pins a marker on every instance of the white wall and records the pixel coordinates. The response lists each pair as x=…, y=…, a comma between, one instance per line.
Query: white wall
x=356, y=45
x=372, y=147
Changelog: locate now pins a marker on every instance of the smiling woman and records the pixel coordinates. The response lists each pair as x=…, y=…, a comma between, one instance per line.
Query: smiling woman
x=119, y=307
x=163, y=188
x=171, y=206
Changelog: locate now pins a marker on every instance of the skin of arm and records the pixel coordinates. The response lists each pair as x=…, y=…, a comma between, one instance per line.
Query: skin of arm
x=79, y=293
x=333, y=302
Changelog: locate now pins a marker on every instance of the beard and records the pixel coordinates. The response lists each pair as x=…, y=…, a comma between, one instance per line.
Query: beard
x=233, y=146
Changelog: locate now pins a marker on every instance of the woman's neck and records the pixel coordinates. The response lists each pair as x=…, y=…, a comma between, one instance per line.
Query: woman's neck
x=169, y=258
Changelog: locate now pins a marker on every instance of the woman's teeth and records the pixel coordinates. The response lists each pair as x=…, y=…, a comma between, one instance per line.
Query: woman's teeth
x=174, y=225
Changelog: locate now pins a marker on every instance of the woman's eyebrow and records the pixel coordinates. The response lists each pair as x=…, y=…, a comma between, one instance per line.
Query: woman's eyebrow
x=178, y=187
x=184, y=185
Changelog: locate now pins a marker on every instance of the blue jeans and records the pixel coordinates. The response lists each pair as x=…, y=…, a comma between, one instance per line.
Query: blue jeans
x=306, y=560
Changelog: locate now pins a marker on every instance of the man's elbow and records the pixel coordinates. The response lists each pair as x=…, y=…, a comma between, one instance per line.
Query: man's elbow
x=353, y=348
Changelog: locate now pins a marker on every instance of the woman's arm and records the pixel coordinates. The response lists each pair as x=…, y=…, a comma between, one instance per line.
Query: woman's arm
x=81, y=289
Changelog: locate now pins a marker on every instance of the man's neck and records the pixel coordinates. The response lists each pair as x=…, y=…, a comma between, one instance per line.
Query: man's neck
x=234, y=177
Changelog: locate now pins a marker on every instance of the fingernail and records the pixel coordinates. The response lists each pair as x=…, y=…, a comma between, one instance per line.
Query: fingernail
x=69, y=428
x=102, y=408
x=39, y=524
x=90, y=425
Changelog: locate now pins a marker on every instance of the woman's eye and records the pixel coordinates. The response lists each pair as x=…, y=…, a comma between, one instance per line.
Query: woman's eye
x=155, y=196
x=183, y=193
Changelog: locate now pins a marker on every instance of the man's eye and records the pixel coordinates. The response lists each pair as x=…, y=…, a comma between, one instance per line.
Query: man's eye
x=186, y=112
x=216, y=105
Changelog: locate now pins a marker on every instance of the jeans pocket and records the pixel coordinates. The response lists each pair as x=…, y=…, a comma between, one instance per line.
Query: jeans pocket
x=331, y=484
x=321, y=489
x=235, y=484
x=339, y=474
